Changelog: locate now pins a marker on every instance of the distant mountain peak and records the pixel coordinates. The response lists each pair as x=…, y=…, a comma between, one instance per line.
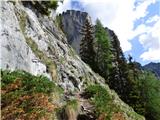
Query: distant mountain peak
x=153, y=67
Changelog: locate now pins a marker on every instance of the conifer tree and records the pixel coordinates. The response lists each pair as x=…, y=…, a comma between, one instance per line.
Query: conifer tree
x=119, y=77
x=87, y=52
x=103, y=52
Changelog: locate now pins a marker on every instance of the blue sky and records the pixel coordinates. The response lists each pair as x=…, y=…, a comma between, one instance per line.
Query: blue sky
x=137, y=47
x=136, y=23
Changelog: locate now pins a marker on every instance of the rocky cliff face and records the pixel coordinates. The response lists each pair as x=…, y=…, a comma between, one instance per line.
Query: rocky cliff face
x=72, y=22
x=15, y=52
x=37, y=45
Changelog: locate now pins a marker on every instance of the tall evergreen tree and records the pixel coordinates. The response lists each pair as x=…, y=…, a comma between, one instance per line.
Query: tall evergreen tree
x=87, y=52
x=135, y=96
x=103, y=52
x=118, y=77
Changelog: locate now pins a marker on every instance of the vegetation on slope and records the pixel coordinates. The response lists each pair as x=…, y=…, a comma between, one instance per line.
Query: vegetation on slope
x=28, y=97
x=124, y=77
x=103, y=51
x=144, y=94
x=86, y=47
x=106, y=106
x=25, y=96
x=151, y=94
x=42, y=6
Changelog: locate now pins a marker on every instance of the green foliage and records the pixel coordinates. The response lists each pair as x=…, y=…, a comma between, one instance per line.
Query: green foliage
x=144, y=93
x=151, y=93
x=30, y=83
x=73, y=104
x=43, y=6
x=107, y=106
x=51, y=4
x=139, y=92
x=100, y=98
x=10, y=77
x=135, y=98
x=25, y=96
x=119, y=76
x=87, y=52
x=103, y=52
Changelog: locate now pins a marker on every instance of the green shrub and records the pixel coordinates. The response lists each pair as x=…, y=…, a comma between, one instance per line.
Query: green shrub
x=30, y=83
x=9, y=77
x=52, y=4
x=100, y=98
x=73, y=104
x=42, y=6
x=25, y=96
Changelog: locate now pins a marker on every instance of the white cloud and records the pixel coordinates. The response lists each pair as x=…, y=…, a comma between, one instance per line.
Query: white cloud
x=141, y=9
x=63, y=7
x=153, y=19
x=120, y=16
x=151, y=55
x=150, y=39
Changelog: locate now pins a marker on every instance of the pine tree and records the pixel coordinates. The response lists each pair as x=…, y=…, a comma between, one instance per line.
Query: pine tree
x=87, y=52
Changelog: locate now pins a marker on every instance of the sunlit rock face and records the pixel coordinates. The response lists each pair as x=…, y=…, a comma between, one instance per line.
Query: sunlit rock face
x=15, y=53
x=50, y=44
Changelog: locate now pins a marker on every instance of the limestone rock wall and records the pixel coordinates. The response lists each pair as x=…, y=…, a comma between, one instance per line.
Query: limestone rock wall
x=36, y=45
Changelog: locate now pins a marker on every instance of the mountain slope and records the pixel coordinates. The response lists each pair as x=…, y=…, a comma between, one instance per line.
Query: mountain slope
x=153, y=67
x=34, y=43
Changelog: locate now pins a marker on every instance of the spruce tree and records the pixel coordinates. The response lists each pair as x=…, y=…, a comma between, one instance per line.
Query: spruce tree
x=87, y=52
x=119, y=76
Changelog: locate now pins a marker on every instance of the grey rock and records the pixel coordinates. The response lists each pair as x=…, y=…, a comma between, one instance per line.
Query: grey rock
x=15, y=53
x=72, y=22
